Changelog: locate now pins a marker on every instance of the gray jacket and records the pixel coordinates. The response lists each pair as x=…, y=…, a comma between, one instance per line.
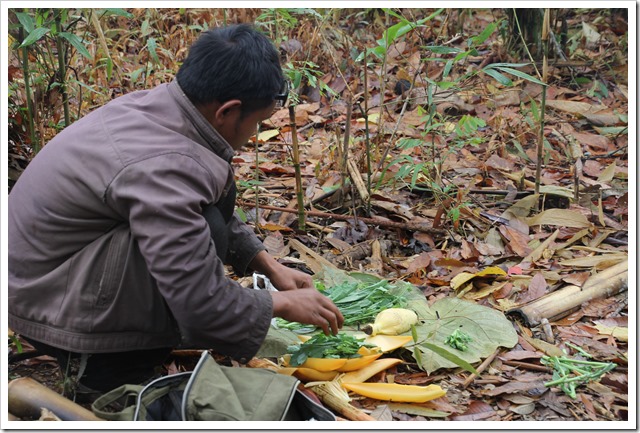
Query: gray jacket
x=108, y=248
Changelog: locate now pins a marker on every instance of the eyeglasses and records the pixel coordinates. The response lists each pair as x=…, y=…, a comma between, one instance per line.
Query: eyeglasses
x=281, y=98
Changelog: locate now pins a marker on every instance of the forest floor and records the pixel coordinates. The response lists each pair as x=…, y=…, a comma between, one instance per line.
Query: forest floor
x=440, y=185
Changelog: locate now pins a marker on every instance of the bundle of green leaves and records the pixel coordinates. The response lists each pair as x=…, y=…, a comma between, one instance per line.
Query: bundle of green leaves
x=359, y=303
x=339, y=346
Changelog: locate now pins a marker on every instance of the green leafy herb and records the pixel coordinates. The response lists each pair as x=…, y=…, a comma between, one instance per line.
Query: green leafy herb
x=458, y=340
x=359, y=302
x=326, y=346
x=569, y=373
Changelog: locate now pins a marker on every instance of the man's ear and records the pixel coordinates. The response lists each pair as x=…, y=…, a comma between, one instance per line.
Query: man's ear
x=227, y=111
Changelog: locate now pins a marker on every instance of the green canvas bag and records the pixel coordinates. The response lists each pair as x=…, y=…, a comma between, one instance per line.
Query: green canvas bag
x=212, y=392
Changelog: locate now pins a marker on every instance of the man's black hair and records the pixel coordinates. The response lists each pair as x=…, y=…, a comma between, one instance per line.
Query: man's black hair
x=234, y=62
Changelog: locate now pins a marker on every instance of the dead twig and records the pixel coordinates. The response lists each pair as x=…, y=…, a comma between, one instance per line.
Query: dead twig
x=371, y=221
x=481, y=367
x=528, y=366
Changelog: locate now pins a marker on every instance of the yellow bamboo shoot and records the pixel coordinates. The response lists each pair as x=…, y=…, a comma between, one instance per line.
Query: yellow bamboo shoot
x=388, y=343
x=324, y=364
x=358, y=363
x=308, y=374
x=369, y=370
x=392, y=321
x=396, y=392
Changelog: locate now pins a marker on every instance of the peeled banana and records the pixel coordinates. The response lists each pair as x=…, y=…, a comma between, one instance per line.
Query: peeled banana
x=392, y=321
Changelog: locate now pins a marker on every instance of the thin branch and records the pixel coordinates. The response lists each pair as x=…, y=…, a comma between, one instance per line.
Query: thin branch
x=409, y=225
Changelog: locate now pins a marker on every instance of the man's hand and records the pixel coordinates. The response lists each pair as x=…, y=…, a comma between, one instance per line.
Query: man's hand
x=298, y=300
x=289, y=279
x=282, y=277
x=308, y=306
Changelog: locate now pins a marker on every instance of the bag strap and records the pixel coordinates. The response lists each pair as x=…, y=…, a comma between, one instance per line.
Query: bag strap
x=117, y=404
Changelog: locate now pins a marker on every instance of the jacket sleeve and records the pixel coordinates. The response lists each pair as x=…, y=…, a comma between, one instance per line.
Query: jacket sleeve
x=244, y=245
x=162, y=199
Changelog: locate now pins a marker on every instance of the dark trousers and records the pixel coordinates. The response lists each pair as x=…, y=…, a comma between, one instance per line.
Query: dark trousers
x=106, y=371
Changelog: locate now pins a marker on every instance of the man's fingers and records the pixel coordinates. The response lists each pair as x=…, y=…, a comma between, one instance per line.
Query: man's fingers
x=325, y=326
x=334, y=325
x=333, y=317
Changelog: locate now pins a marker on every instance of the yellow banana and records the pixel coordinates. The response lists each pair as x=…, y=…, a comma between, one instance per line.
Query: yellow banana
x=392, y=321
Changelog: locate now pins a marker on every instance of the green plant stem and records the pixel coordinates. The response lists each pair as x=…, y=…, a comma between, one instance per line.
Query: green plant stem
x=368, y=151
x=62, y=72
x=579, y=349
x=345, y=149
x=543, y=102
x=27, y=86
x=296, y=166
x=366, y=129
x=383, y=77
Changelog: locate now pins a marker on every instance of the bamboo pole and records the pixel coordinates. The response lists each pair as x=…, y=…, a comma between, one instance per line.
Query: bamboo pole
x=26, y=398
x=103, y=43
x=355, y=175
x=562, y=302
x=296, y=166
x=545, y=68
x=62, y=70
x=365, y=114
x=27, y=89
x=344, y=163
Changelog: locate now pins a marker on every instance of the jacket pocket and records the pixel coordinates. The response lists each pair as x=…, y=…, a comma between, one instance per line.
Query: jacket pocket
x=113, y=268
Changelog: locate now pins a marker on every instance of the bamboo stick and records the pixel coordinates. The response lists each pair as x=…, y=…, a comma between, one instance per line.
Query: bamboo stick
x=296, y=166
x=26, y=397
x=562, y=302
x=528, y=366
x=371, y=221
x=316, y=262
x=27, y=88
x=62, y=70
x=357, y=180
x=481, y=368
x=543, y=97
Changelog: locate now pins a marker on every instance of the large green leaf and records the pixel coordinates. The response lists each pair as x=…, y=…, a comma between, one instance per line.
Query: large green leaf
x=488, y=328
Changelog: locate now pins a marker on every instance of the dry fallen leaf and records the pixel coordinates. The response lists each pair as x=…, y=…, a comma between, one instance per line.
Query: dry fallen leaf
x=619, y=333
x=559, y=217
x=477, y=410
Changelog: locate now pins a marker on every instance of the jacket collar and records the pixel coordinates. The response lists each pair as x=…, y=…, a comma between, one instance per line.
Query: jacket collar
x=213, y=140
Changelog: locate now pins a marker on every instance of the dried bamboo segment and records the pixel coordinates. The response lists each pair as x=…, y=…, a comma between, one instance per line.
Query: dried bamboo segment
x=330, y=396
x=312, y=259
x=262, y=363
x=562, y=302
x=26, y=398
x=357, y=180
